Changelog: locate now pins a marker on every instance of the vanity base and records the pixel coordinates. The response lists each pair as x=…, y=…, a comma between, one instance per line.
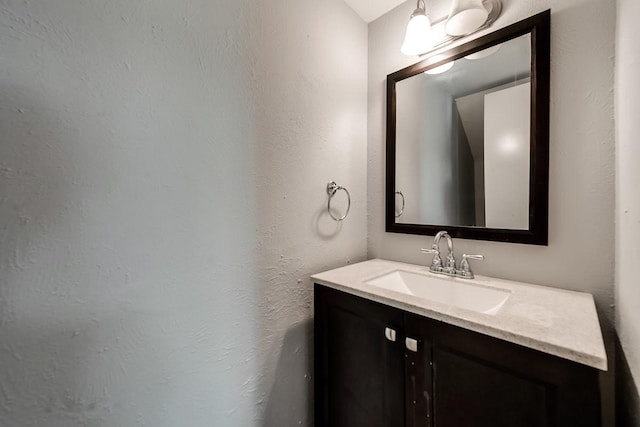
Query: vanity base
x=455, y=377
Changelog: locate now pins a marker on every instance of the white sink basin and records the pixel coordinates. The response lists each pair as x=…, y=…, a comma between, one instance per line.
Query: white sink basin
x=445, y=290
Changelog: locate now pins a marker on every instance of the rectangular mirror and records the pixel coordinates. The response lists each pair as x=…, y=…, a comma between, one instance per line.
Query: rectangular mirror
x=468, y=139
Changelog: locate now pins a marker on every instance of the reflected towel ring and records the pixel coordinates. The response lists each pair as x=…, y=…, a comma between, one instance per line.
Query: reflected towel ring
x=402, y=209
x=332, y=189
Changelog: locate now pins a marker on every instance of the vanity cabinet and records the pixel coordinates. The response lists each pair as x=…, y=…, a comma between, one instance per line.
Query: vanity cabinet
x=455, y=377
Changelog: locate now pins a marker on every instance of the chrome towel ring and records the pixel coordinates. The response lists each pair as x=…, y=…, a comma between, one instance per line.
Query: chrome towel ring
x=401, y=209
x=332, y=189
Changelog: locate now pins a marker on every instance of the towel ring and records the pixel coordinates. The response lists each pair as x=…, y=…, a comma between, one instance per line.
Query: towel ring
x=332, y=189
x=402, y=209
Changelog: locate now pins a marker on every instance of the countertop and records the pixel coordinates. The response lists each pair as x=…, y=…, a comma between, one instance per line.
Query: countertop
x=554, y=321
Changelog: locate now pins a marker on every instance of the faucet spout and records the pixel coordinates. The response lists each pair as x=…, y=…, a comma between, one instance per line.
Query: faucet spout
x=436, y=265
x=440, y=235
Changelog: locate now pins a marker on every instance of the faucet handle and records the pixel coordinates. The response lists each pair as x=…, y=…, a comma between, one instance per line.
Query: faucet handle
x=465, y=270
x=436, y=263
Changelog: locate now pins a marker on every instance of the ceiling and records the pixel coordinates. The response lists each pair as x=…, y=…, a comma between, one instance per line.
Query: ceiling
x=370, y=10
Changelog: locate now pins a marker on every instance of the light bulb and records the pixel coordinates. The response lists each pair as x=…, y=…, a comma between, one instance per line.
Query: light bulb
x=417, y=39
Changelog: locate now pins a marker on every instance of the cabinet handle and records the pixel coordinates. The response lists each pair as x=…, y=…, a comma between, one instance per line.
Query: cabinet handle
x=411, y=344
x=390, y=334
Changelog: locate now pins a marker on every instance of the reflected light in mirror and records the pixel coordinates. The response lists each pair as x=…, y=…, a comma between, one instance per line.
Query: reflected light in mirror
x=510, y=144
x=465, y=17
x=483, y=53
x=440, y=69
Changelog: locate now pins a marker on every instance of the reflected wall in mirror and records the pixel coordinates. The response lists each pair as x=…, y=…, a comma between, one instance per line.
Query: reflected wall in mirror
x=467, y=139
x=444, y=169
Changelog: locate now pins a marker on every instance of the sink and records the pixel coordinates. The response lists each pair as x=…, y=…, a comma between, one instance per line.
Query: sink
x=445, y=290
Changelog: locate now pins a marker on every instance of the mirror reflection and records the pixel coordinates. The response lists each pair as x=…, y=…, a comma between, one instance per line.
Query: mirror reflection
x=463, y=140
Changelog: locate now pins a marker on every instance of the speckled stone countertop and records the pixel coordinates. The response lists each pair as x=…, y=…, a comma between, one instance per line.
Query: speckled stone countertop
x=555, y=321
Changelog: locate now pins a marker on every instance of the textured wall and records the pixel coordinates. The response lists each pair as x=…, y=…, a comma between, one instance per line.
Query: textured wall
x=162, y=173
x=311, y=113
x=580, y=255
x=628, y=210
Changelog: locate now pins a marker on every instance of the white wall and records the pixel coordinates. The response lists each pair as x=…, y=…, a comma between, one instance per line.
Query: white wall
x=628, y=210
x=162, y=183
x=580, y=253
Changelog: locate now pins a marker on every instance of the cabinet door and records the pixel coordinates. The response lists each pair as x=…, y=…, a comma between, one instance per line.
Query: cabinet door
x=359, y=371
x=481, y=381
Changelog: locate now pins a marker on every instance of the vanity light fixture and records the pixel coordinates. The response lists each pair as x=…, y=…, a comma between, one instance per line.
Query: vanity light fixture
x=417, y=39
x=465, y=17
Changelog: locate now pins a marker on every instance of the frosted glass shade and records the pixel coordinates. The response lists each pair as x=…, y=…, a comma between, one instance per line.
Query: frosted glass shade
x=465, y=17
x=418, y=38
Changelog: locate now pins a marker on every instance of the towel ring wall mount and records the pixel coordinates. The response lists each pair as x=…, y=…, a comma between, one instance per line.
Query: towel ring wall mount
x=332, y=189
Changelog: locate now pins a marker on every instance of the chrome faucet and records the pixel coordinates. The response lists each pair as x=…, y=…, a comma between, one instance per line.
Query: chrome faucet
x=436, y=264
x=449, y=267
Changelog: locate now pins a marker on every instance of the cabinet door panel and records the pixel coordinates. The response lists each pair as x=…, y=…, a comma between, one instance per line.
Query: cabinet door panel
x=472, y=393
x=359, y=372
x=483, y=381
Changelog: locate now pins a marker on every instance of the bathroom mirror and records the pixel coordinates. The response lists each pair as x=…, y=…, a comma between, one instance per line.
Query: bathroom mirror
x=468, y=139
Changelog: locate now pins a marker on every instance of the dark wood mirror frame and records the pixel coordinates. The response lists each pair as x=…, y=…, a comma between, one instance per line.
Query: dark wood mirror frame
x=539, y=28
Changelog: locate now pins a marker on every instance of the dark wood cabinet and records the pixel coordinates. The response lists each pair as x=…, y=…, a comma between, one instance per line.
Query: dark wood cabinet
x=359, y=379
x=455, y=377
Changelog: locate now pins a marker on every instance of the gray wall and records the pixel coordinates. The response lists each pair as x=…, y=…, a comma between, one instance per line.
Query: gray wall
x=580, y=255
x=628, y=212
x=162, y=191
